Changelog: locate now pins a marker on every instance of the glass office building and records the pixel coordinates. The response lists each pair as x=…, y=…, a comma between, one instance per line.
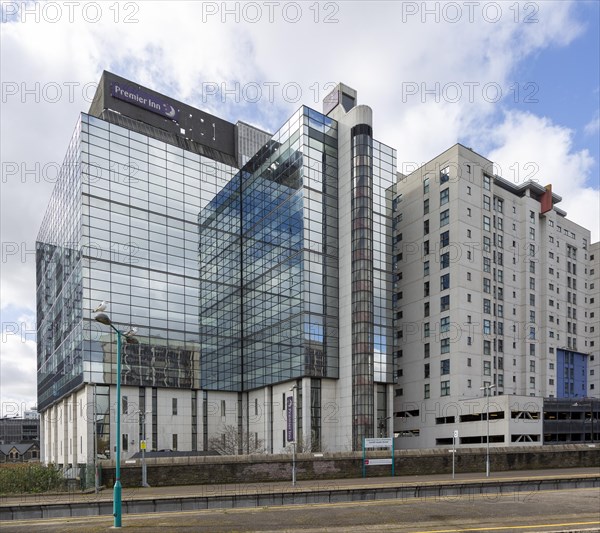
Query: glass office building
x=228, y=249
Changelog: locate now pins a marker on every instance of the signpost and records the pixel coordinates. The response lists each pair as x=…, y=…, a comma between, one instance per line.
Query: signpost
x=453, y=451
x=385, y=442
x=291, y=434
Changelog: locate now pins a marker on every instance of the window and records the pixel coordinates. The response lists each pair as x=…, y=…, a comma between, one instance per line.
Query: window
x=468, y=190
x=426, y=185
x=531, y=366
x=469, y=233
x=426, y=268
x=125, y=442
x=532, y=350
x=487, y=264
x=174, y=406
x=124, y=405
x=426, y=309
x=444, y=303
x=444, y=217
x=469, y=297
x=444, y=239
x=426, y=350
x=468, y=276
x=487, y=244
x=426, y=206
x=487, y=327
x=444, y=282
x=445, y=346
x=487, y=306
x=445, y=388
x=444, y=174
x=445, y=260
x=174, y=447
x=487, y=285
x=532, y=283
x=445, y=324
x=487, y=182
x=468, y=361
x=486, y=203
x=444, y=196
x=426, y=370
x=426, y=390
x=532, y=233
x=445, y=367
x=487, y=348
x=487, y=368
x=532, y=382
x=426, y=227
x=532, y=267
x=426, y=288
x=426, y=248
x=426, y=329
x=468, y=211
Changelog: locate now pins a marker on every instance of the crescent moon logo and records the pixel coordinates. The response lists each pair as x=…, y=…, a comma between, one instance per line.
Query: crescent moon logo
x=169, y=110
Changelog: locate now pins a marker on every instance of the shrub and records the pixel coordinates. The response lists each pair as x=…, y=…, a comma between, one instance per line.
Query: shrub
x=29, y=477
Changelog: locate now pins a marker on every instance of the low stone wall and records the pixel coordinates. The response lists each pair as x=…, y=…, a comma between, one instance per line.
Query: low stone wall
x=265, y=468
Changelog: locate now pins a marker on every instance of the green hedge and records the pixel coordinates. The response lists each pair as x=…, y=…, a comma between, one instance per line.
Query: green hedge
x=29, y=477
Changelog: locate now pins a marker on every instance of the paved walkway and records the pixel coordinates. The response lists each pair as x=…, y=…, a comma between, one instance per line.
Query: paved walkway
x=182, y=491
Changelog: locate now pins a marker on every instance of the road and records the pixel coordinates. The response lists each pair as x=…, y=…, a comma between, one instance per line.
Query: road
x=556, y=510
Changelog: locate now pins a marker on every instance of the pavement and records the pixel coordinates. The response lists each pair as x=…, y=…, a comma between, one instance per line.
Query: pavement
x=278, y=487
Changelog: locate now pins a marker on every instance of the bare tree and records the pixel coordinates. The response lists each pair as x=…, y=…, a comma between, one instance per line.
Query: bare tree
x=233, y=441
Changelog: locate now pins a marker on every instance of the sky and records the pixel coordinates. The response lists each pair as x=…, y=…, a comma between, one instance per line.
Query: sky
x=516, y=81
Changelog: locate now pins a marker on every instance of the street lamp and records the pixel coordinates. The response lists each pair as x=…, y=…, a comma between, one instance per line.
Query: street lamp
x=143, y=446
x=104, y=319
x=487, y=391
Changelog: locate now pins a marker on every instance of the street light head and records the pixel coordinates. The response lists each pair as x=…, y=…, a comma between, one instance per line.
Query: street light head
x=103, y=319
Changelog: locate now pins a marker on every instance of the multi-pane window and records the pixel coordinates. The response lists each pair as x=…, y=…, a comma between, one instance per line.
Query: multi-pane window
x=445, y=388
x=445, y=346
x=487, y=244
x=426, y=350
x=444, y=196
x=444, y=174
x=487, y=306
x=426, y=227
x=445, y=324
x=487, y=264
x=426, y=370
x=444, y=239
x=426, y=206
x=426, y=268
x=486, y=203
x=444, y=303
x=426, y=390
x=445, y=260
x=487, y=327
x=425, y=184
x=444, y=282
x=444, y=217
x=487, y=182
x=487, y=285
x=445, y=367
x=426, y=329
x=426, y=288
x=487, y=347
x=487, y=368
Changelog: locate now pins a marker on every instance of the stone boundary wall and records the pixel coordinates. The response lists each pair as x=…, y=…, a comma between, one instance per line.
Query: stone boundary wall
x=267, y=468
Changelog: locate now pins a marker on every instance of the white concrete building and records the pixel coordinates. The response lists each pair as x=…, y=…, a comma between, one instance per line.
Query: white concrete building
x=490, y=295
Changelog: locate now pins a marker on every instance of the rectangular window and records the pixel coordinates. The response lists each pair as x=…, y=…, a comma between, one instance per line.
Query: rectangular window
x=487, y=244
x=445, y=260
x=445, y=282
x=444, y=174
x=444, y=303
x=426, y=329
x=426, y=268
x=487, y=264
x=487, y=182
x=426, y=206
x=426, y=227
x=487, y=368
x=487, y=327
x=445, y=367
x=445, y=324
x=487, y=306
x=426, y=288
x=174, y=442
x=487, y=285
x=444, y=239
x=426, y=370
x=444, y=218
x=426, y=350
x=426, y=390
x=444, y=196
x=445, y=346
x=174, y=406
x=426, y=248
x=487, y=348
x=426, y=309
x=445, y=388
x=124, y=404
x=486, y=202
x=425, y=184
x=125, y=442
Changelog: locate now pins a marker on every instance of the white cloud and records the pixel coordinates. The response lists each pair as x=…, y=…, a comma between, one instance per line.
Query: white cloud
x=593, y=126
x=374, y=47
x=543, y=151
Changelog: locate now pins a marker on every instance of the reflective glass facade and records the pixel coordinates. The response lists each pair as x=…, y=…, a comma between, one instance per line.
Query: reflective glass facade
x=122, y=228
x=268, y=263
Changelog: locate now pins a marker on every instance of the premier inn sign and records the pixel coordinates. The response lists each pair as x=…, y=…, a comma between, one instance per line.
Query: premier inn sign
x=144, y=100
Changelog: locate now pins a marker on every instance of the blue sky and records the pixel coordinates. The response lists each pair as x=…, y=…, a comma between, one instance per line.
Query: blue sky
x=378, y=48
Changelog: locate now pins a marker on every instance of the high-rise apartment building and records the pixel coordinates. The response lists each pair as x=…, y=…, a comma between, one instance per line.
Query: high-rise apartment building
x=491, y=298
x=254, y=268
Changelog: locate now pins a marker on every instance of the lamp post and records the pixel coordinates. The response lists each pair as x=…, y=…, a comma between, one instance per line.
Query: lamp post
x=117, y=511
x=487, y=391
x=143, y=446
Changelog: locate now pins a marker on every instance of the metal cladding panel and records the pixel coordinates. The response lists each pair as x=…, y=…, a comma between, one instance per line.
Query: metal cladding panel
x=145, y=105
